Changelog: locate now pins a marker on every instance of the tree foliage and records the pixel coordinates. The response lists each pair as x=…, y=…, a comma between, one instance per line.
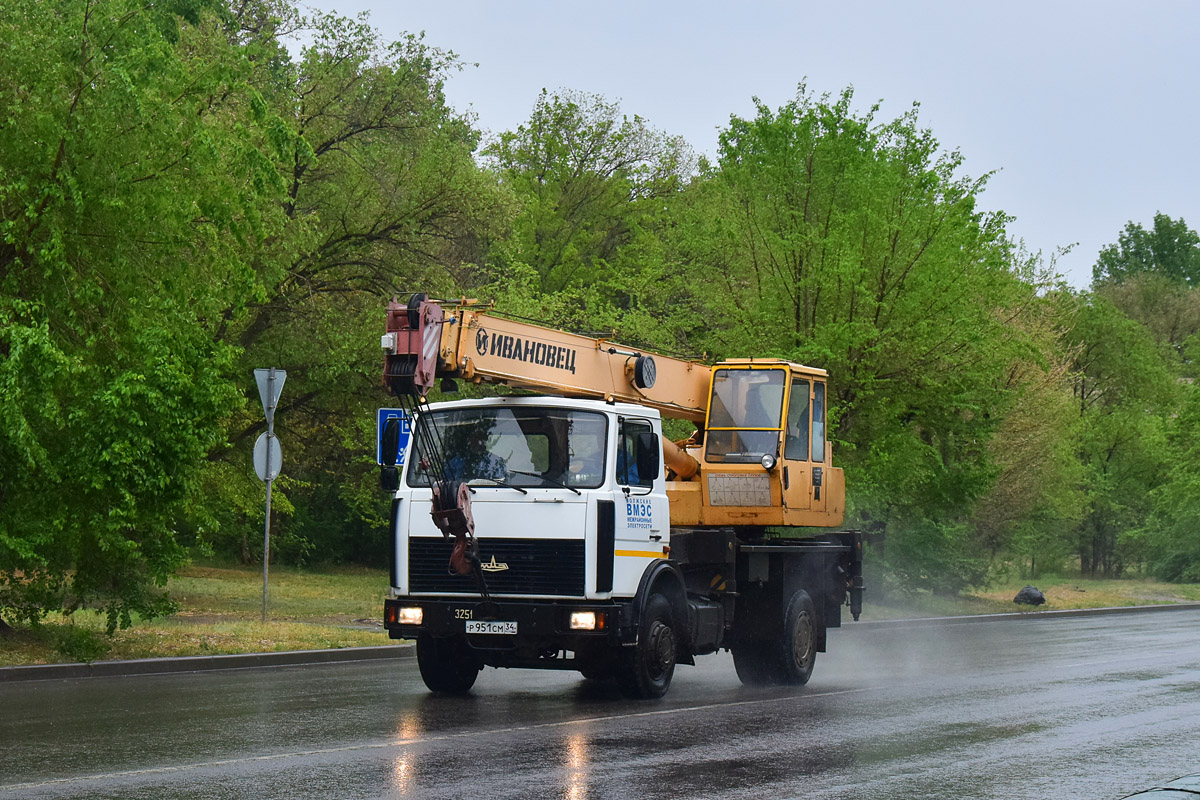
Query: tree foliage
x=124, y=186
x=1135, y=337
x=582, y=174
x=1167, y=309
x=1037, y=494
x=381, y=193
x=839, y=240
x=1173, y=546
x=1170, y=249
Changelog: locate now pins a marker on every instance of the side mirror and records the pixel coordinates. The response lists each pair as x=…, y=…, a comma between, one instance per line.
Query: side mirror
x=649, y=456
x=390, y=441
x=389, y=478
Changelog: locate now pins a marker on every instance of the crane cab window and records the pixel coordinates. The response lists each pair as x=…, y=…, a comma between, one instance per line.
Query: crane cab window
x=745, y=415
x=795, y=443
x=818, y=422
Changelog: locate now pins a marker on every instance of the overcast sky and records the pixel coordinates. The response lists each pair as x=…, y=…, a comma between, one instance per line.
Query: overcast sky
x=1087, y=110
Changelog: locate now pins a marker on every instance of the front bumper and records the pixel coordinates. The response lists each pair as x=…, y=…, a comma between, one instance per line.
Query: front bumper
x=540, y=623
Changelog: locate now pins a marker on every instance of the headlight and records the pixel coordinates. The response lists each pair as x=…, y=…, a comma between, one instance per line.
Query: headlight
x=412, y=615
x=768, y=462
x=583, y=620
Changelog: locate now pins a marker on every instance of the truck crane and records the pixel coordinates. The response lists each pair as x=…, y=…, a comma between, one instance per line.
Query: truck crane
x=561, y=529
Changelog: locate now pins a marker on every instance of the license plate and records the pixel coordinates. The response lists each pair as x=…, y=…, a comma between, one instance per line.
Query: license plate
x=491, y=626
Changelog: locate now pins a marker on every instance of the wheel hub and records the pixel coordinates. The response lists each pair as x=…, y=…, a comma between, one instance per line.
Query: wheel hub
x=661, y=649
x=802, y=639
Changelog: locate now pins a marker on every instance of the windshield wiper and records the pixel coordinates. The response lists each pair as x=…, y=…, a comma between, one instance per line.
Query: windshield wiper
x=505, y=484
x=545, y=479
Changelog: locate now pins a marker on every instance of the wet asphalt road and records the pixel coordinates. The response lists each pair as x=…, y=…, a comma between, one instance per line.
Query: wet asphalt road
x=1081, y=707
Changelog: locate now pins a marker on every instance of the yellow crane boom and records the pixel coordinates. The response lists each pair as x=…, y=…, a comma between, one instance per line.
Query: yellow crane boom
x=475, y=344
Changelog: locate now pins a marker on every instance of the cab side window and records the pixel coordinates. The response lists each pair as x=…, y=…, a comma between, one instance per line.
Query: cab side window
x=628, y=472
x=795, y=445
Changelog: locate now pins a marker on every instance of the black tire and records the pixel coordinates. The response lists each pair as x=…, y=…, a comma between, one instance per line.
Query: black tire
x=786, y=659
x=644, y=671
x=447, y=665
x=798, y=647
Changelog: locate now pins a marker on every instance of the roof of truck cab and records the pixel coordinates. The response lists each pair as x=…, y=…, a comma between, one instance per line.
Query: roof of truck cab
x=627, y=409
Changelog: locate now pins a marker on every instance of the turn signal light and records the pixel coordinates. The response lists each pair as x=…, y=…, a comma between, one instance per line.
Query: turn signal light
x=412, y=615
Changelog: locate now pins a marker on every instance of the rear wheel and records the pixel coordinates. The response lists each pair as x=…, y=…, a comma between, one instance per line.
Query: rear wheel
x=447, y=665
x=787, y=658
x=644, y=671
x=798, y=647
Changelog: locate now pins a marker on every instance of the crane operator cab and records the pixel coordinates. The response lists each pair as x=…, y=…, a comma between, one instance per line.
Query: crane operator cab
x=764, y=458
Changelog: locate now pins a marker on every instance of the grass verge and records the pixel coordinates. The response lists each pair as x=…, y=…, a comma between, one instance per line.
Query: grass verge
x=1062, y=593
x=220, y=612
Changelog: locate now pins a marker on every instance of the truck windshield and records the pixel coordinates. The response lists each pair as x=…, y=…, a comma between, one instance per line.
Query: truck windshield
x=515, y=446
x=745, y=413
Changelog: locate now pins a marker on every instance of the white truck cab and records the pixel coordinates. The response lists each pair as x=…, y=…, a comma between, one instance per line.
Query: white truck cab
x=568, y=496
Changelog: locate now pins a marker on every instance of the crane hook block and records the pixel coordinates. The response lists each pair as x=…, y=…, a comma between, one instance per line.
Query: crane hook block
x=412, y=343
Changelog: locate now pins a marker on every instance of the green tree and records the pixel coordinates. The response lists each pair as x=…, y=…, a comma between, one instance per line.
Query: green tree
x=583, y=174
x=382, y=195
x=826, y=237
x=1138, y=341
x=1169, y=311
x=1172, y=534
x=1123, y=393
x=1170, y=249
x=136, y=174
x=1034, y=505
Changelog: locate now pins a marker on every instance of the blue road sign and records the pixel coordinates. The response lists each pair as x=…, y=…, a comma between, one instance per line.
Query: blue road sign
x=384, y=415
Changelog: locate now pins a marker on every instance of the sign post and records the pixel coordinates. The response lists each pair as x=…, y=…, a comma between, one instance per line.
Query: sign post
x=268, y=457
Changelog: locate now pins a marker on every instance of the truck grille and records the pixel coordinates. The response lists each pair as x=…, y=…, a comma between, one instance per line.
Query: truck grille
x=534, y=566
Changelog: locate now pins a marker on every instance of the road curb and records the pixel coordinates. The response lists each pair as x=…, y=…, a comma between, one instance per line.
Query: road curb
x=967, y=619
x=155, y=666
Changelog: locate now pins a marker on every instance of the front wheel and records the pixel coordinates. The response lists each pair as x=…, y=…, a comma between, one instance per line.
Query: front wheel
x=644, y=671
x=447, y=665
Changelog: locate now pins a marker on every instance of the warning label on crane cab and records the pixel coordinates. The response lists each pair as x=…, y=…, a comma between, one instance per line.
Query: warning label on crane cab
x=529, y=351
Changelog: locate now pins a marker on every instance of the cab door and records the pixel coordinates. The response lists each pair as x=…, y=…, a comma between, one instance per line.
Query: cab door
x=818, y=452
x=797, y=446
x=643, y=516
